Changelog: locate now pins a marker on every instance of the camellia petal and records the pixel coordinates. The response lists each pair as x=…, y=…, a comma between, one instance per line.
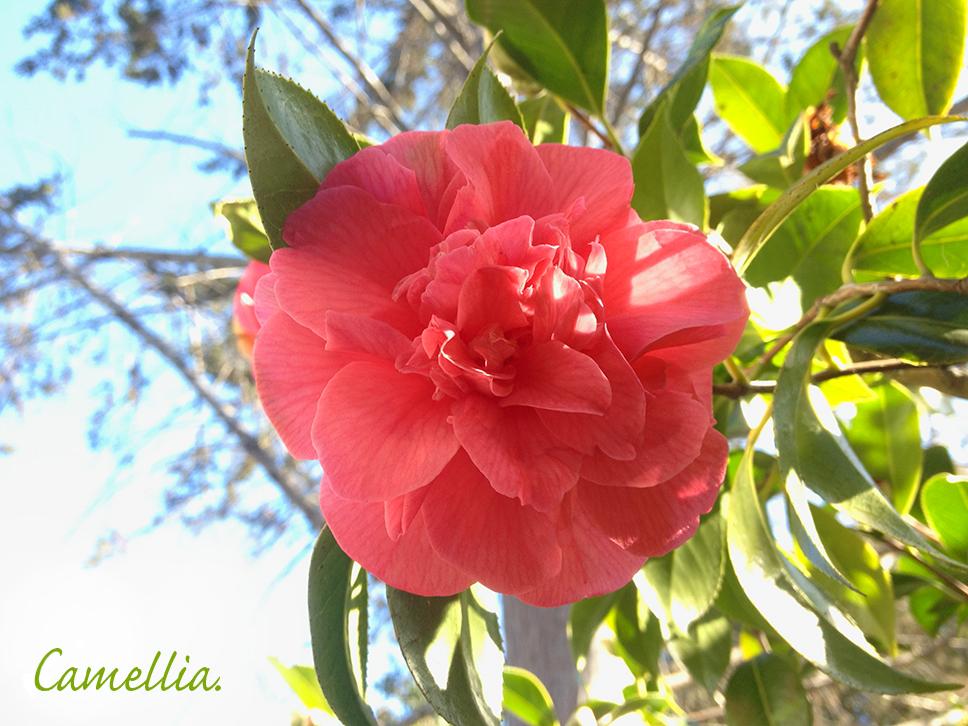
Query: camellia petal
x=360, y=531
x=379, y=433
x=512, y=545
x=291, y=370
x=653, y=521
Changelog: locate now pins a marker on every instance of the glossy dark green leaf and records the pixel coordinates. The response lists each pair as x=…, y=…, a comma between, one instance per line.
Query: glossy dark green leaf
x=527, y=698
x=697, y=571
x=816, y=74
x=870, y=602
x=886, y=435
x=811, y=244
x=638, y=633
x=767, y=223
x=945, y=198
x=766, y=691
x=332, y=576
x=453, y=648
x=809, y=441
x=783, y=166
x=704, y=649
x=925, y=325
x=562, y=44
x=915, y=53
x=303, y=682
x=884, y=248
x=840, y=651
x=667, y=186
x=292, y=140
x=750, y=100
x=244, y=227
x=584, y=621
x=545, y=120
x=483, y=100
x=944, y=501
x=685, y=88
x=804, y=528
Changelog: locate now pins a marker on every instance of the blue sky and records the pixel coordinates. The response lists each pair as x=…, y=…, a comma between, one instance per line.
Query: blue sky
x=200, y=595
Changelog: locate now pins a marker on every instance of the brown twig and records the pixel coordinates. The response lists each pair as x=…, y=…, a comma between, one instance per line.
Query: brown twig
x=587, y=123
x=846, y=58
x=849, y=292
x=737, y=389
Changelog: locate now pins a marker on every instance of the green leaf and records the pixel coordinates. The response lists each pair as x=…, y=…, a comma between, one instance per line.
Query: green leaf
x=333, y=579
x=483, y=100
x=884, y=248
x=750, y=100
x=915, y=52
x=811, y=244
x=667, y=186
x=930, y=326
x=839, y=651
x=697, y=571
x=562, y=44
x=685, y=88
x=584, y=621
x=690, y=136
x=732, y=213
x=766, y=691
x=945, y=198
x=527, y=698
x=886, y=435
x=767, y=223
x=453, y=648
x=944, y=501
x=704, y=650
x=784, y=165
x=638, y=633
x=302, y=680
x=809, y=441
x=931, y=608
x=870, y=600
x=545, y=120
x=817, y=73
x=292, y=140
x=244, y=227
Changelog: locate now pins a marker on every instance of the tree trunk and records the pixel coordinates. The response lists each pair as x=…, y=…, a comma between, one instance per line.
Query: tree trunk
x=537, y=639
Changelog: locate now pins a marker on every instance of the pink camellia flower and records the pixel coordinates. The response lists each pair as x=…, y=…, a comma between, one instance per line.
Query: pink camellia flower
x=245, y=324
x=505, y=374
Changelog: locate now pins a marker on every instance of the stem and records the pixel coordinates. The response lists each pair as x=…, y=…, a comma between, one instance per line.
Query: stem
x=960, y=588
x=849, y=292
x=607, y=137
x=847, y=58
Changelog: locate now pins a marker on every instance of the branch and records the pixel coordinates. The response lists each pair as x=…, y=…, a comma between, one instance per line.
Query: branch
x=437, y=21
x=623, y=95
x=369, y=76
x=849, y=292
x=184, y=140
x=199, y=259
x=847, y=58
x=737, y=389
x=201, y=387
